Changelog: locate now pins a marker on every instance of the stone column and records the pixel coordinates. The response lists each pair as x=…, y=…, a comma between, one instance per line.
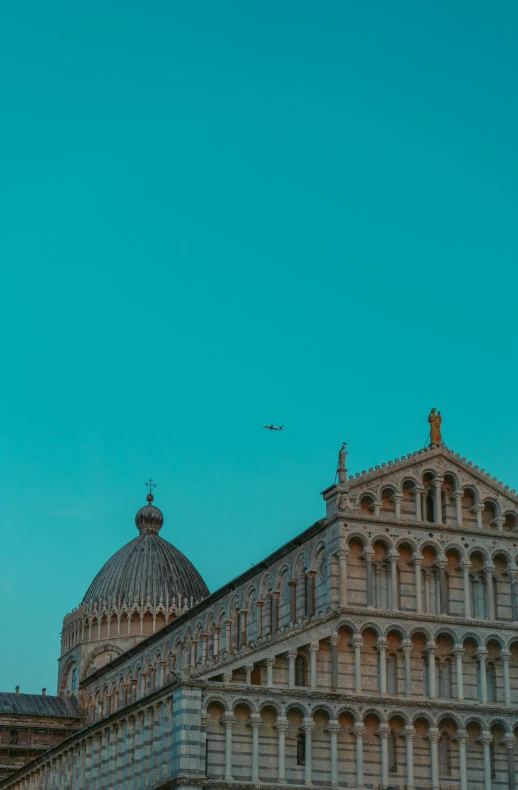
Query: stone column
x=377, y=586
x=443, y=585
x=162, y=673
x=438, y=501
x=433, y=735
x=478, y=510
x=512, y=573
x=311, y=592
x=292, y=584
x=458, y=653
x=466, y=565
x=313, y=649
x=384, y=734
x=249, y=668
x=482, y=655
x=333, y=728
x=463, y=769
x=418, y=490
x=215, y=642
x=424, y=495
x=432, y=686
x=204, y=647
x=394, y=581
x=509, y=742
x=143, y=684
x=418, y=584
x=382, y=650
x=307, y=726
x=407, y=651
x=458, y=506
x=242, y=639
x=359, y=731
x=259, y=605
x=369, y=556
x=409, y=737
x=505, y=655
x=255, y=723
x=228, y=635
x=357, y=644
x=334, y=662
x=397, y=502
x=291, y=669
x=194, y=650
x=228, y=721
x=490, y=592
x=269, y=671
x=342, y=559
x=275, y=603
x=282, y=726
x=486, y=740
x=152, y=680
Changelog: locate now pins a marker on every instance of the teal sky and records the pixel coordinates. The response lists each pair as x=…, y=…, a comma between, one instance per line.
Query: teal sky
x=215, y=215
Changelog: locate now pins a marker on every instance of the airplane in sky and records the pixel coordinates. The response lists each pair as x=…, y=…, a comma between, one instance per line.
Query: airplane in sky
x=274, y=427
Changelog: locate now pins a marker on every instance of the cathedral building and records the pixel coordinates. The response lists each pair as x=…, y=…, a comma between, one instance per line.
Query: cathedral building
x=376, y=649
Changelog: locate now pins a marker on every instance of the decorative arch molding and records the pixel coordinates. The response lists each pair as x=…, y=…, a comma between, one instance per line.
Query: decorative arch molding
x=450, y=714
x=297, y=705
x=344, y=622
x=421, y=629
x=350, y=710
x=371, y=710
x=499, y=720
x=370, y=624
x=225, y=702
x=270, y=702
x=423, y=714
x=471, y=635
x=97, y=652
x=448, y=631
x=495, y=638
x=481, y=550
x=403, y=633
x=404, y=714
x=242, y=700
x=322, y=706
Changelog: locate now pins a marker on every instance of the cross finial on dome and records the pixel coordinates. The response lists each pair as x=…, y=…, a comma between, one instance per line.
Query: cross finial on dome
x=150, y=484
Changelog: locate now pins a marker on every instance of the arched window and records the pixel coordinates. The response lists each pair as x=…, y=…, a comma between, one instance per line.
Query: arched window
x=491, y=682
x=300, y=671
x=392, y=752
x=74, y=679
x=392, y=674
x=301, y=749
x=444, y=755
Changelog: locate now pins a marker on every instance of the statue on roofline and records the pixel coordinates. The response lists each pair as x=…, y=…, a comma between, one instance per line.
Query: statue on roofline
x=435, y=420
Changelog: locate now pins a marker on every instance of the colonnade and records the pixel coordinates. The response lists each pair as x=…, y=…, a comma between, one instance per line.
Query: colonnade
x=359, y=731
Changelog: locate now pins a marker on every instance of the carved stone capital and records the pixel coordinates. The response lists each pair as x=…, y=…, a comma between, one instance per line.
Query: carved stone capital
x=359, y=730
x=433, y=735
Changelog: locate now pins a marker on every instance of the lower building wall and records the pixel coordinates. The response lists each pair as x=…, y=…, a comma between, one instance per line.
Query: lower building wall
x=216, y=735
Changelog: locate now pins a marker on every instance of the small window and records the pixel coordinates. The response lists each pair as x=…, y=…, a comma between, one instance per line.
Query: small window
x=74, y=678
x=300, y=671
x=301, y=749
x=444, y=755
x=13, y=737
x=392, y=752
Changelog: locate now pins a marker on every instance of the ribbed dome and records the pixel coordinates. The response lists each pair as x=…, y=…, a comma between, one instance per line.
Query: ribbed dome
x=147, y=568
